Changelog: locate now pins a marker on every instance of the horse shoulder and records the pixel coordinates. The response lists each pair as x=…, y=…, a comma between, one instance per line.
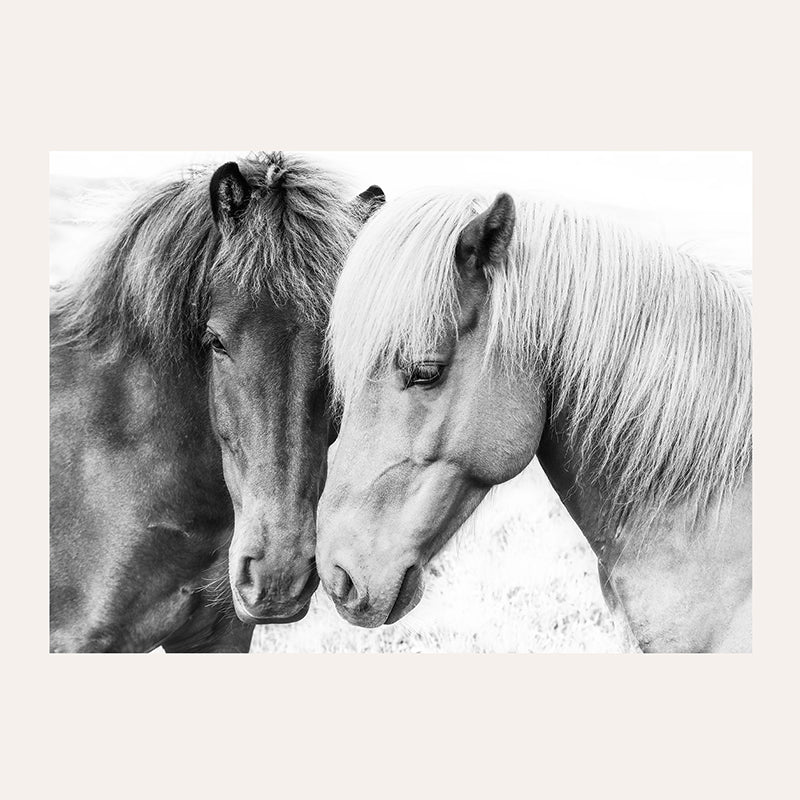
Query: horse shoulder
x=686, y=580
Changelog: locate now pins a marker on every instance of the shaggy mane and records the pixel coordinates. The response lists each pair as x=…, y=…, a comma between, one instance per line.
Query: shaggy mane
x=148, y=288
x=646, y=350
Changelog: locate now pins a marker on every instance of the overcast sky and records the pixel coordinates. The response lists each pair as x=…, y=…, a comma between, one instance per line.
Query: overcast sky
x=700, y=200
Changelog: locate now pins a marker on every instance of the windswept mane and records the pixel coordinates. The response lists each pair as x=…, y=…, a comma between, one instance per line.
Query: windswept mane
x=148, y=288
x=647, y=350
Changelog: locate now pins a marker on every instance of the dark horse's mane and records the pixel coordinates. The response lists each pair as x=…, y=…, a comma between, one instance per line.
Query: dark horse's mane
x=147, y=290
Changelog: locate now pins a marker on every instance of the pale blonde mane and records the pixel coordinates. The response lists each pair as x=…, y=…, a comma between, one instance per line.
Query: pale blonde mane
x=646, y=350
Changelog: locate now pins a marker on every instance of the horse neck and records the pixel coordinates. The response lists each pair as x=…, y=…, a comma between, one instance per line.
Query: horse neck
x=134, y=391
x=583, y=499
x=584, y=490
x=661, y=397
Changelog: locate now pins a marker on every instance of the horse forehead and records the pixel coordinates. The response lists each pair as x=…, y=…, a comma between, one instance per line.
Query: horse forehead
x=240, y=313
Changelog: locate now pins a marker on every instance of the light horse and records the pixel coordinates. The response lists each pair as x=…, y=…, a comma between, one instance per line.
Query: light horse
x=188, y=404
x=468, y=337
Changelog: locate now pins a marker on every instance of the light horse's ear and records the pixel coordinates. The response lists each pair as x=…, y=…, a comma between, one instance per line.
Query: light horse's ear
x=484, y=242
x=367, y=203
x=230, y=195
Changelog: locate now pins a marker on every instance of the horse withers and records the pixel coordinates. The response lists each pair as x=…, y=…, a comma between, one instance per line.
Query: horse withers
x=189, y=410
x=467, y=337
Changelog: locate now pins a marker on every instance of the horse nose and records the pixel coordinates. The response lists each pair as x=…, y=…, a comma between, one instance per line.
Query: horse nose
x=247, y=580
x=341, y=585
x=266, y=590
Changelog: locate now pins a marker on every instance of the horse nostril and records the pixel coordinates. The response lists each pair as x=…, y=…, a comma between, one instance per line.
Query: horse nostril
x=249, y=582
x=244, y=575
x=341, y=584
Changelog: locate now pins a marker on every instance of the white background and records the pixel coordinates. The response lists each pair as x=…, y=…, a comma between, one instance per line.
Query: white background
x=690, y=74
x=698, y=200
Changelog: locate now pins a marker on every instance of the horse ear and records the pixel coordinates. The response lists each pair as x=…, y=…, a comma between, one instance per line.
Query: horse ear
x=230, y=195
x=485, y=240
x=368, y=202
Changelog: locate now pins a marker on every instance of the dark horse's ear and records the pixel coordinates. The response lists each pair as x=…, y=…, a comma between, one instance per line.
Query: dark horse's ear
x=484, y=242
x=368, y=202
x=230, y=195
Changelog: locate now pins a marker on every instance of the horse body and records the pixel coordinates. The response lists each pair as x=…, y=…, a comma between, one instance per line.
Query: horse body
x=465, y=342
x=189, y=419
x=129, y=572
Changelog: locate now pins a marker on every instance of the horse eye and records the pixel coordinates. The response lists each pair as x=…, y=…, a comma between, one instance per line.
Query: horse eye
x=215, y=342
x=423, y=374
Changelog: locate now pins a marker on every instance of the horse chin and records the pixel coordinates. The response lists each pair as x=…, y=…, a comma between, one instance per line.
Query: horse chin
x=286, y=620
x=245, y=616
x=407, y=600
x=398, y=611
x=296, y=616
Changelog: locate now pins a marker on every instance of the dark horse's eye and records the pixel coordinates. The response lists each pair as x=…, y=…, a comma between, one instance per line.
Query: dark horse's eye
x=424, y=373
x=215, y=342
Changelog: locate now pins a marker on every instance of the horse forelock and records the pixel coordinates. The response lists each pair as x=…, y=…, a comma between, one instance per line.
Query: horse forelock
x=148, y=288
x=294, y=237
x=397, y=293
x=647, y=352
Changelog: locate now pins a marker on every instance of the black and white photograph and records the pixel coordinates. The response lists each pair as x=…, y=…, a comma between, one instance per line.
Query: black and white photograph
x=400, y=402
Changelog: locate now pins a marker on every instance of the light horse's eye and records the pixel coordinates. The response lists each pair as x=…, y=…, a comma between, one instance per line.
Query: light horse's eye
x=423, y=373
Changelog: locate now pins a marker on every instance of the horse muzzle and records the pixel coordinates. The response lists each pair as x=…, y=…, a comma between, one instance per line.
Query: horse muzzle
x=261, y=597
x=370, y=606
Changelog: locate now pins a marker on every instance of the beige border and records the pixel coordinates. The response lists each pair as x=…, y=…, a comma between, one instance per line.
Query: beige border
x=427, y=76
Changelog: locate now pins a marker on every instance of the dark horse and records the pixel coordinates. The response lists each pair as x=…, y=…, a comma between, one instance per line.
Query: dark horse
x=189, y=411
